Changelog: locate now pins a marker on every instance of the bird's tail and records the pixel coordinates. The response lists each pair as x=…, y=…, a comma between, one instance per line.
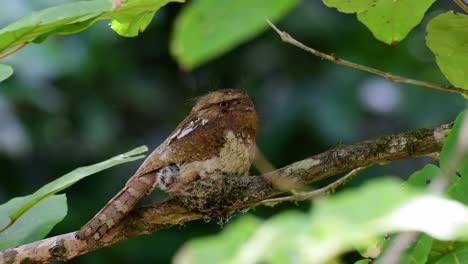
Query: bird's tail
x=118, y=207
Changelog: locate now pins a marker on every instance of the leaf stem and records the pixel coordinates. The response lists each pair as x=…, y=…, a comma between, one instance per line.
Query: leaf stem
x=10, y=223
x=13, y=50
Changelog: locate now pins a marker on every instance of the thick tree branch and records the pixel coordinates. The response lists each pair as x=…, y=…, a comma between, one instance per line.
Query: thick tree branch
x=221, y=196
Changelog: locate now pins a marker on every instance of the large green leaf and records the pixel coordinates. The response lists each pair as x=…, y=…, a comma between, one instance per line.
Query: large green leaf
x=35, y=223
x=66, y=181
x=218, y=248
x=448, y=39
x=40, y=23
x=356, y=217
x=419, y=251
x=128, y=19
x=133, y=16
x=5, y=72
x=390, y=21
x=207, y=28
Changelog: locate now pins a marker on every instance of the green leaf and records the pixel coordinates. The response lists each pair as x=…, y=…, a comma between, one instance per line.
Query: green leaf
x=128, y=19
x=450, y=143
x=422, y=178
x=43, y=22
x=449, y=150
x=220, y=247
x=69, y=179
x=459, y=187
x=418, y=252
x=206, y=29
x=133, y=16
x=448, y=40
x=363, y=261
x=5, y=72
x=390, y=21
x=35, y=223
x=457, y=256
x=273, y=240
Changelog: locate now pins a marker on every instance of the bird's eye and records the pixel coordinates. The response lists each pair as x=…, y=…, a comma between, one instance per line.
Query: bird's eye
x=223, y=104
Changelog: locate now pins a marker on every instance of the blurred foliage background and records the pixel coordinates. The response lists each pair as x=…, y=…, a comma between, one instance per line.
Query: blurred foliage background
x=79, y=99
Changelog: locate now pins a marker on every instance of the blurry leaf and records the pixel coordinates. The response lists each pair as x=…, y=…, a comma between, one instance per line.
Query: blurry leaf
x=5, y=72
x=40, y=23
x=418, y=252
x=67, y=29
x=442, y=249
x=459, y=188
x=353, y=218
x=363, y=261
x=273, y=240
x=390, y=21
x=35, y=223
x=69, y=179
x=449, y=148
x=450, y=142
x=220, y=247
x=422, y=178
x=133, y=16
x=447, y=38
x=206, y=29
x=457, y=256
x=128, y=20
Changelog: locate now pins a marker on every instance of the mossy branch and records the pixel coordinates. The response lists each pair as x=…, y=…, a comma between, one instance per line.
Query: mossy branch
x=221, y=196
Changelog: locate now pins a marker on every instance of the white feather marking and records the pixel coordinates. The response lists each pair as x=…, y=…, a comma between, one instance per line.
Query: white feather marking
x=191, y=126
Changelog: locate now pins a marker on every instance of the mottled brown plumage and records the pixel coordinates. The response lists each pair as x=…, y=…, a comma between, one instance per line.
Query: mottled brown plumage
x=217, y=137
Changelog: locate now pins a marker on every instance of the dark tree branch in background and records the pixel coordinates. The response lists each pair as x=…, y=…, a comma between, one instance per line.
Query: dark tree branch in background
x=285, y=37
x=218, y=197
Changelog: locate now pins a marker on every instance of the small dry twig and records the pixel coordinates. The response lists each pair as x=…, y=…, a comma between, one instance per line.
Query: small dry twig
x=462, y=5
x=285, y=37
x=302, y=196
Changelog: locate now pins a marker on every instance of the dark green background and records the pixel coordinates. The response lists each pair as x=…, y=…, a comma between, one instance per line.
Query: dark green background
x=79, y=99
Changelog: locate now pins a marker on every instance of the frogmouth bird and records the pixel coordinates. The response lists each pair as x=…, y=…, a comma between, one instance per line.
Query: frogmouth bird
x=216, y=138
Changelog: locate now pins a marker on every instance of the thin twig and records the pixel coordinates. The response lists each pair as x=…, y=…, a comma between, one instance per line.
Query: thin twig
x=13, y=50
x=285, y=37
x=462, y=5
x=302, y=196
